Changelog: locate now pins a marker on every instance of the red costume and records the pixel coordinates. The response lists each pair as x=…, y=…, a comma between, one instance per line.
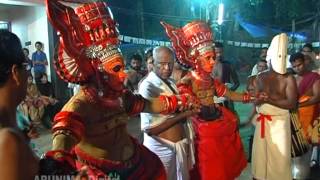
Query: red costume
x=219, y=151
x=91, y=128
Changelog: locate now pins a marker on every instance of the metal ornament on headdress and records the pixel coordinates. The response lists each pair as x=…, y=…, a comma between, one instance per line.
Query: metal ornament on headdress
x=194, y=39
x=101, y=53
x=277, y=53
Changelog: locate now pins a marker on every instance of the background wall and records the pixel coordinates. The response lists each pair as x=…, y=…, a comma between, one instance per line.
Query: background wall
x=30, y=24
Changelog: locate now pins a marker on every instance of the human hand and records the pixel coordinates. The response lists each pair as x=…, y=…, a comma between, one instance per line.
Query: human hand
x=261, y=97
x=32, y=133
x=187, y=102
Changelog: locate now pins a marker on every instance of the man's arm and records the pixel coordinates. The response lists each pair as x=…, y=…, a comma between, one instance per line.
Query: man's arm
x=291, y=95
x=168, y=123
x=315, y=98
x=234, y=96
x=222, y=90
x=10, y=156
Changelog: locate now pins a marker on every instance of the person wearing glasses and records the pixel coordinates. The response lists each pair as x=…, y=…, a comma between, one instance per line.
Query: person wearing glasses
x=15, y=153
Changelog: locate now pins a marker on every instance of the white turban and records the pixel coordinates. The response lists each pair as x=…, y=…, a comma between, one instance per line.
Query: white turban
x=277, y=53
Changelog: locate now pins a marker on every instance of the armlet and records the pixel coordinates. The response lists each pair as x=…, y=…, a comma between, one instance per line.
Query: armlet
x=68, y=121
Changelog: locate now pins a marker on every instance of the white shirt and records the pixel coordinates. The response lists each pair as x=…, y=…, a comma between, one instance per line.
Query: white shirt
x=152, y=87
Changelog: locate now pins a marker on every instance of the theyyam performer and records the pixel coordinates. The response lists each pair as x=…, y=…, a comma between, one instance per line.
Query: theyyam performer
x=91, y=128
x=219, y=151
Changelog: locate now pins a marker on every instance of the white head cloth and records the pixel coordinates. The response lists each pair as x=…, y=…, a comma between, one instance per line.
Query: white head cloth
x=277, y=53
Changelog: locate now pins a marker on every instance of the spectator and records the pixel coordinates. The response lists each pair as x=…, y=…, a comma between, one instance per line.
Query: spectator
x=310, y=57
x=17, y=160
x=263, y=56
x=39, y=59
x=178, y=72
x=225, y=72
x=26, y=54
x=47, y=91
x=309, y=98
x=33, y=105
x=135, y=73
x=149, y=59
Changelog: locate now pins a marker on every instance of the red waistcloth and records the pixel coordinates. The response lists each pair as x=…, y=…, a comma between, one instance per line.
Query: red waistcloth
x=145, y=166
x=219, y=151
x=262, y=118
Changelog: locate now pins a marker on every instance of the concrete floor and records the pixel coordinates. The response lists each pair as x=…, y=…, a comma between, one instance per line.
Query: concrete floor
x=43, y=143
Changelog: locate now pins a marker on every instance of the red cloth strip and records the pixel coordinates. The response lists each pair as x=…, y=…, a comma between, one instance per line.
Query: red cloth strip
x=262, y=118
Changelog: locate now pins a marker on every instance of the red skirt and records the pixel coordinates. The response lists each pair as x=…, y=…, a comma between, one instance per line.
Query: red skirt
x=219, y=151
x=144, y=165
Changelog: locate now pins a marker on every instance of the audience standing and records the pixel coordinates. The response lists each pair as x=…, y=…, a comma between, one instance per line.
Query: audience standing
x=40, y=62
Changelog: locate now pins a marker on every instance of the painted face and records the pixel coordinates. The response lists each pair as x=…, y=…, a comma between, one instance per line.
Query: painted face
x=114, y=67
x=206, y=61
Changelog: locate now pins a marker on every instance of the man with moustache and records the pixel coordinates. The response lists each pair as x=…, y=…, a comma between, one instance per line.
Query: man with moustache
x=165, y=135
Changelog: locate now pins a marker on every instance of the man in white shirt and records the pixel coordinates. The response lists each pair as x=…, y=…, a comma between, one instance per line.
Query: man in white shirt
x=166, y=135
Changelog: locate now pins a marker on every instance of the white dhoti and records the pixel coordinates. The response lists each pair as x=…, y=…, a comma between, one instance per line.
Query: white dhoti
x=174, y=156
x=271, y=153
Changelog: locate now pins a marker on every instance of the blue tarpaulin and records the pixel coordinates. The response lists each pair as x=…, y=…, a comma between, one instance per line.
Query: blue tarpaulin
x=259, y=31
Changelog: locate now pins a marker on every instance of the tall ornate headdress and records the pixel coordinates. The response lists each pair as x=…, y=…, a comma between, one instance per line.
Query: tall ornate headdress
x=189, y=41
x=88, y=37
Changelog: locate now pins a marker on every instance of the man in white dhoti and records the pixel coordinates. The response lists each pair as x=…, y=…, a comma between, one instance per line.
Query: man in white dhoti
x=277, y=90
x=166, y=135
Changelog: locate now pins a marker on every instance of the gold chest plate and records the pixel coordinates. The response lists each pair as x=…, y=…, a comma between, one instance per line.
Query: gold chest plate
x=204, y=92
